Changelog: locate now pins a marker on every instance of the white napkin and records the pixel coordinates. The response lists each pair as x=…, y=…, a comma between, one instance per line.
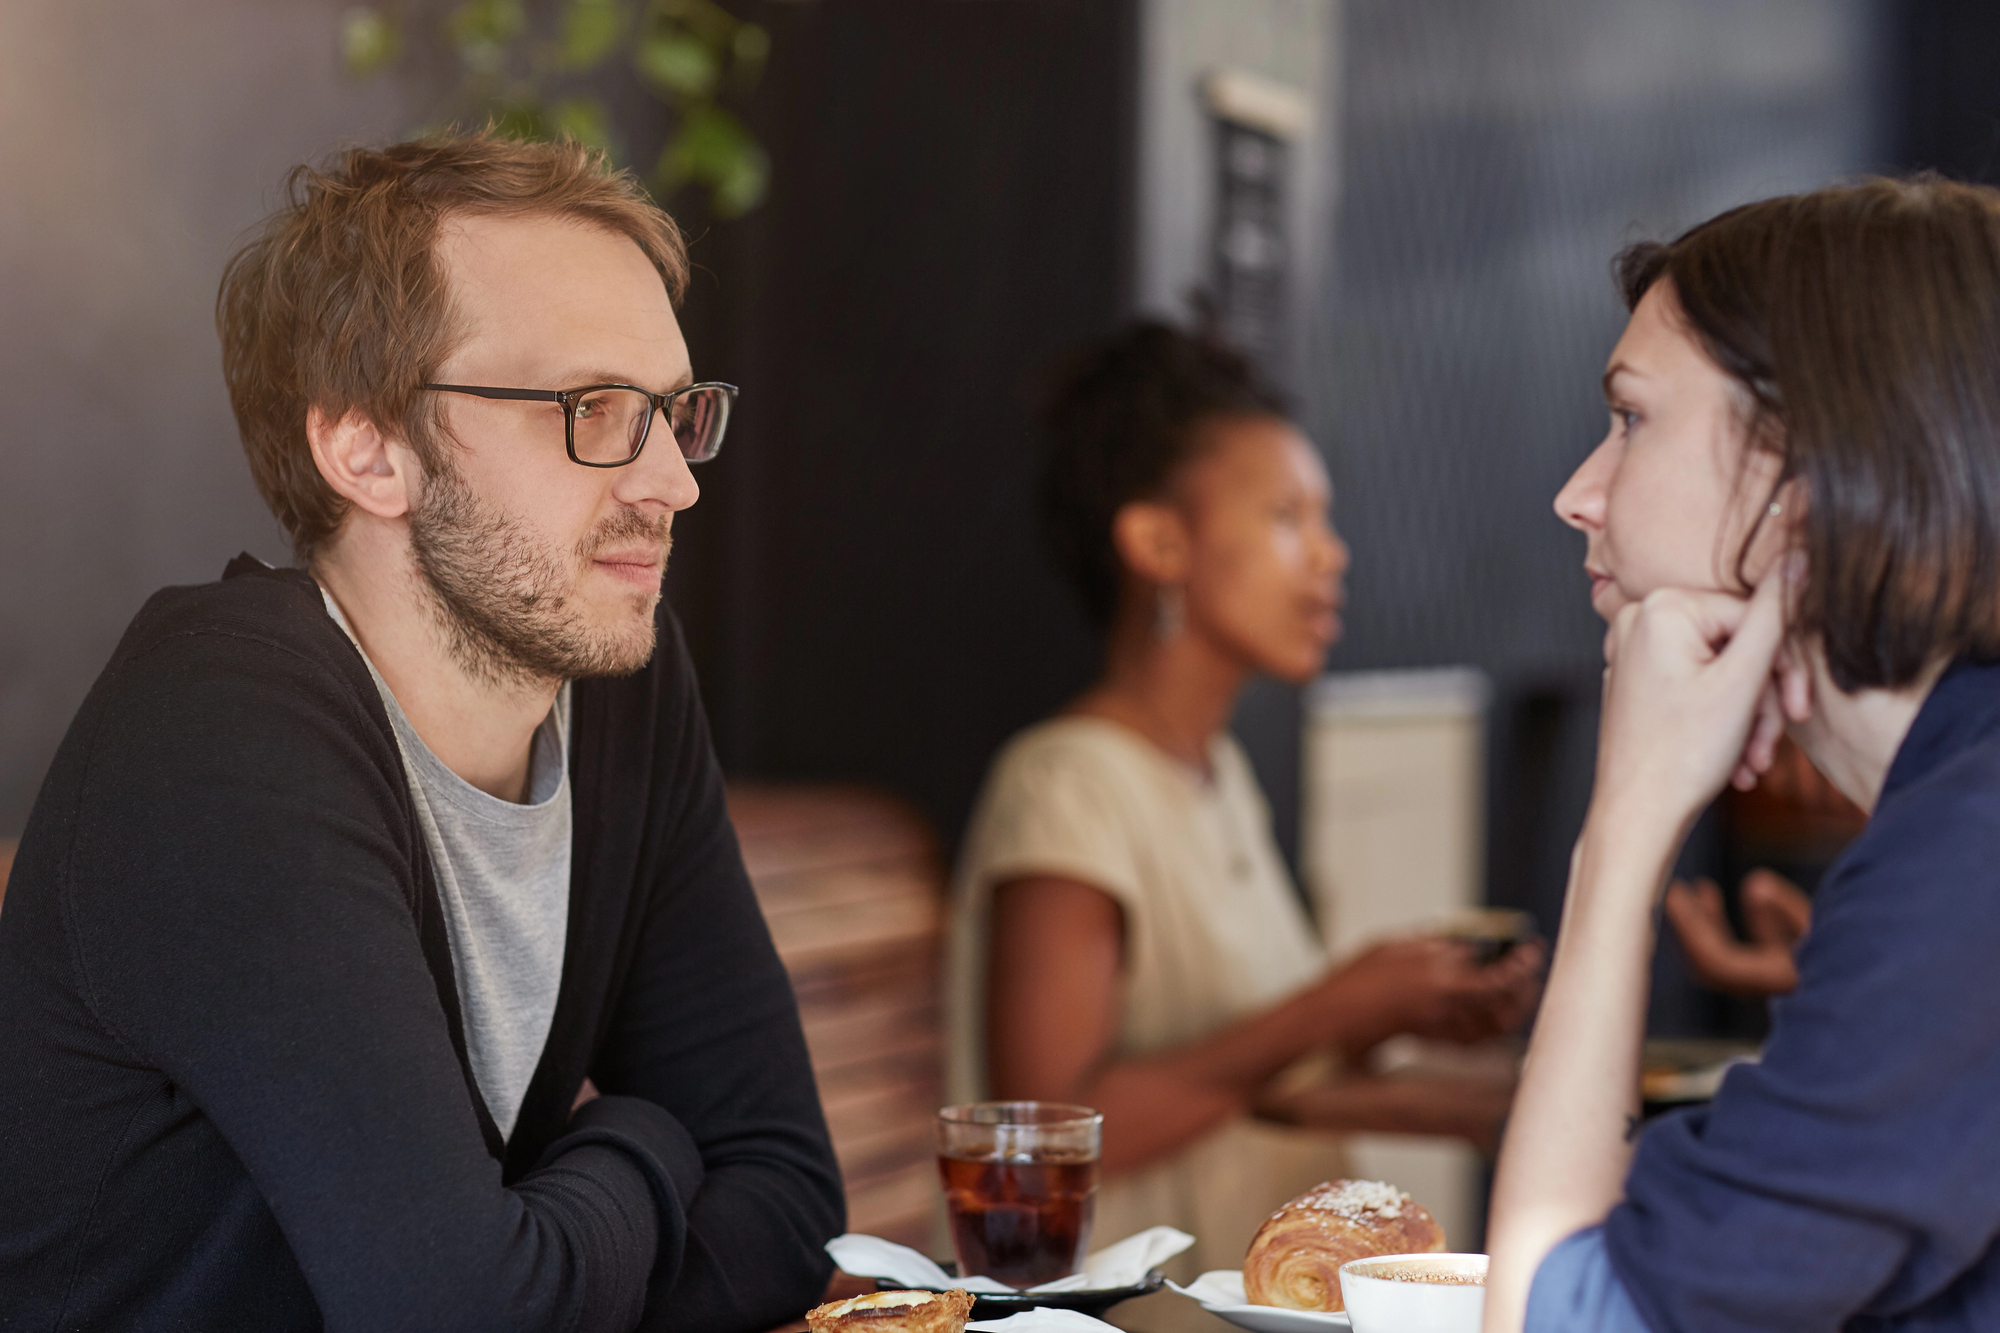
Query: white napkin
x=1221, y=1286
x=871, y=1256
x=1127, y=1263
x=1042, y=1319
x=1122, y=1265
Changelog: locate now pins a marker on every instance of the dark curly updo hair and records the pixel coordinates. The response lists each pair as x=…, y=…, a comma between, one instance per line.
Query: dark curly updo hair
x=1121, y=418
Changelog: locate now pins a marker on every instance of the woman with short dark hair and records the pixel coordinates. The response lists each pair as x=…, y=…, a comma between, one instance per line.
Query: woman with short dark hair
x=1794, y=525
x=1126, y=934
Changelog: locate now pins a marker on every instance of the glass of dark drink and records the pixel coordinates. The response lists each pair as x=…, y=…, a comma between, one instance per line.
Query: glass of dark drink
x=1020, y=1183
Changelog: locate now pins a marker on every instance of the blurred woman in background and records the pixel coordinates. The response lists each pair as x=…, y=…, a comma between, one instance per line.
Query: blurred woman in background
x=1793, y=525
x=1126, y=934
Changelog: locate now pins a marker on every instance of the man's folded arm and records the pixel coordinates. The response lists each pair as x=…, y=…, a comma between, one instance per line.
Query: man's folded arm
x=707, y=1027
x=241, y=906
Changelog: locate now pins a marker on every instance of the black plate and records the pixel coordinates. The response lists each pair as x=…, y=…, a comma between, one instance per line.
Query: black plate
x=992, y=1305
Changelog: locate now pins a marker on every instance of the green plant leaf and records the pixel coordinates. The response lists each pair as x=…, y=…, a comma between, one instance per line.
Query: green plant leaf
x=590, y=31
x=752, y=46
x=369, y=41
x=714, y=149
x=678, y=63
x=511, y=71
x=744, y=186
x=520, y=120
x=583, y=119
x=483, y=30
x=706, y=19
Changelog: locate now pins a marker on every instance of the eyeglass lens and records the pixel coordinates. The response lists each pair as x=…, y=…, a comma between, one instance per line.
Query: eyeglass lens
x=699, y=418
x=608, y=425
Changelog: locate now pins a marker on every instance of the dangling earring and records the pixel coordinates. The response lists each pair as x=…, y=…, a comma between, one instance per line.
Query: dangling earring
x=1169, y=612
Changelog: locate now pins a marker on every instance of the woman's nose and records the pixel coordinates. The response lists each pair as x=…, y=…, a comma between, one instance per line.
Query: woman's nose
x=1580, y=503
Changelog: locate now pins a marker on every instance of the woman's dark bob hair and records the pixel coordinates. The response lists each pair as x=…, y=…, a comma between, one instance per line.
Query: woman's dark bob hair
x=1862, y=324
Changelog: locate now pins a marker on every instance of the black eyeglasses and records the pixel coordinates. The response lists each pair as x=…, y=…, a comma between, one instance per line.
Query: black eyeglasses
x=605, y=425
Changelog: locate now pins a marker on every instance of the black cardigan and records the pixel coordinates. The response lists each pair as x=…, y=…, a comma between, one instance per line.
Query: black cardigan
x=233, y=1083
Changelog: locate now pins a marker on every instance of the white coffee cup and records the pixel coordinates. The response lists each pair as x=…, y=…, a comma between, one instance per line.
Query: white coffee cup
x=1389, y=1293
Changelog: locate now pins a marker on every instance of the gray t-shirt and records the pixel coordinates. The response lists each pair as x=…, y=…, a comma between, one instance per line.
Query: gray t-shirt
x=503, y=875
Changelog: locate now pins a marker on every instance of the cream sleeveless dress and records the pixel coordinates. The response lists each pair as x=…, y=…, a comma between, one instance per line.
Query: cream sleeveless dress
x=1213, y=933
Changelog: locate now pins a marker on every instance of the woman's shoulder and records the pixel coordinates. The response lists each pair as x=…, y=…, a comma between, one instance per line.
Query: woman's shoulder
x=1078, y=746
x=1929, y=859
x=1070, y=794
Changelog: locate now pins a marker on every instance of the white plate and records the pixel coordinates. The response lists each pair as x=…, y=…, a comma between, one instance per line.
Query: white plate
x=1221, y=1294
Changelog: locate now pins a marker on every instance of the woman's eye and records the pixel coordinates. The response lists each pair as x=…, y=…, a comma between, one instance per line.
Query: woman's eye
x=1624, y=418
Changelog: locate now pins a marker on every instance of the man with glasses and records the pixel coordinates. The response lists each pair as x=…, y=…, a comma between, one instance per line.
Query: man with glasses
x=379, y=955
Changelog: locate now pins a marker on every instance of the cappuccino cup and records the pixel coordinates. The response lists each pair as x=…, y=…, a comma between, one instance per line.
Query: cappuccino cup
x=1415, y=1293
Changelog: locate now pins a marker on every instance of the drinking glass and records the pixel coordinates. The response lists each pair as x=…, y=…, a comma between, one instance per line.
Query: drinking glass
x=1020, y=1184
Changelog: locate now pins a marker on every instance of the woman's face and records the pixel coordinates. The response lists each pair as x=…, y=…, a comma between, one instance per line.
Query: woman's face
x=1670, y=495
x=1264, y=563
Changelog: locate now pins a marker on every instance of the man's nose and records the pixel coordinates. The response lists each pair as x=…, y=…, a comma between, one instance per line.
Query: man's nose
x=660, y=475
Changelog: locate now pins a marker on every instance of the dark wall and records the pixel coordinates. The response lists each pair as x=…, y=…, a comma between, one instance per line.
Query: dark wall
x=143, y=137
x=1946, y=108
x=862, y=581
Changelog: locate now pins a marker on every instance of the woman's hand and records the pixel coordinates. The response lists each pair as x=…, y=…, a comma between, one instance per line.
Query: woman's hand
x=1689, y=700
x=1472, y=1107
x=1430, y=987
x=1053, y=1016
x=1776, y=916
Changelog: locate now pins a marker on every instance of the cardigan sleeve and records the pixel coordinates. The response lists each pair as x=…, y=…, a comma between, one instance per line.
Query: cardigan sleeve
x=1848, y=1176
x=707, y=1027
x=1575, y=1291
x=238, y=898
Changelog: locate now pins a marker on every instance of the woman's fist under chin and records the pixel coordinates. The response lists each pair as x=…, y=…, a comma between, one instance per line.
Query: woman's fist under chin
x=1688, y=697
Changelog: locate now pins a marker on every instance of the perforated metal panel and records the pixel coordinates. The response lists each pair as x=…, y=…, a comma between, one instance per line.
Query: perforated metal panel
x=1494, y=157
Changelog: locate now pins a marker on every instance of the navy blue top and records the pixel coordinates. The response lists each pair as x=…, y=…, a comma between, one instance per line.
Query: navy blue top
x=1852, y=1178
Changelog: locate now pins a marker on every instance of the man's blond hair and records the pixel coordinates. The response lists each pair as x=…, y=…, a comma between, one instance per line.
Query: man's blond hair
x=339, y=303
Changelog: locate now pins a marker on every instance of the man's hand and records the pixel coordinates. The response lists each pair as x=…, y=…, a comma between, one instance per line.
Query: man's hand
x=1776, y=915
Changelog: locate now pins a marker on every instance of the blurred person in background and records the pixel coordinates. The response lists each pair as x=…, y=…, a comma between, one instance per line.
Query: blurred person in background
x=1126, y=935
x=1796, y=816
x=1793, y=528
x=352, y=885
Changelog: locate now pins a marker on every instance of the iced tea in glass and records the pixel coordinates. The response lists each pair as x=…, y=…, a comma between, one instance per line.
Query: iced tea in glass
x=1020, y=1183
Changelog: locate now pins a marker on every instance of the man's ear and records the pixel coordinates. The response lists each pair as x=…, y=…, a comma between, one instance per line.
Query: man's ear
x=1152, y=540
x=367, y=468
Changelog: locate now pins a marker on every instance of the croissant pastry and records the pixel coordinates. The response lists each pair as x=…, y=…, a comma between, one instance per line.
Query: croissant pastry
x=894, y=1312
x=1294, y=1261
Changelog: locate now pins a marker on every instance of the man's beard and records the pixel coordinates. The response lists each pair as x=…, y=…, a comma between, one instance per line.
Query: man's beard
x=502, y=597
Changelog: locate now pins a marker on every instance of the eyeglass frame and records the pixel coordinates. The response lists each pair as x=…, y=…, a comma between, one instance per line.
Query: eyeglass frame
x=568, y=397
